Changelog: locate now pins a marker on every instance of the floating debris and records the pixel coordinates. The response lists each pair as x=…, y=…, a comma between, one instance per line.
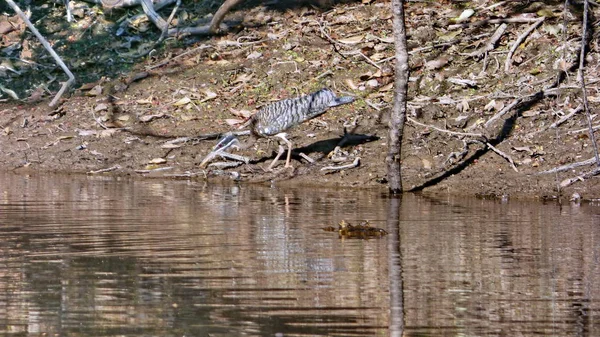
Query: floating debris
x=361, y=231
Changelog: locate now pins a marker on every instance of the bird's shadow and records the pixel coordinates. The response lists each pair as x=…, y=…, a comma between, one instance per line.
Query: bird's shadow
x=324, y=147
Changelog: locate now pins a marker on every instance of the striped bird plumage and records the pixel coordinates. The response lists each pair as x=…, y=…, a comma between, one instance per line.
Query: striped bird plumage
x=282, y=115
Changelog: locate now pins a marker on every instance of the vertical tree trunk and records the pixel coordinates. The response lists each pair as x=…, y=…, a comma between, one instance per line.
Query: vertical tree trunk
x=398, y=115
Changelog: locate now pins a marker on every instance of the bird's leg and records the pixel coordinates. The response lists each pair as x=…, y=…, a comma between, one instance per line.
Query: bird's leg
x=281, y=150
x=289, y=144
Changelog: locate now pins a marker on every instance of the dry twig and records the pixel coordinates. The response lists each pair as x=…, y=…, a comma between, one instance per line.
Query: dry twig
x=570, y=181
x=569, y=166
x=520, y=40
x=468, y=134
x=491, y=22
x=503, y=155
x=354, y=164
x=491, y=43
x=46, y=45
x=581, y=77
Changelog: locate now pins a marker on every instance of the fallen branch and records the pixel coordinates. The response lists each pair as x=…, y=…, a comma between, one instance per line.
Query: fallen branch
x=568, y=166
x=491, y=45
x=594, y=128
x=166, y=168
x=558, y=122
x=201, y=47
x=581, y=77
x=570, y=181
x=491, y=22
x=354, y=164
x=215, y=23
x=46, y=45
x=358, y=52
x=503, y=155
x=520, y=40
x=503, y=111
x=468, y=134
x=112, y=168
x=205, y=136
x=153, y=16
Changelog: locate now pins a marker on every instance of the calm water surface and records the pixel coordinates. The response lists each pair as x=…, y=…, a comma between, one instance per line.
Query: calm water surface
x=90, y=256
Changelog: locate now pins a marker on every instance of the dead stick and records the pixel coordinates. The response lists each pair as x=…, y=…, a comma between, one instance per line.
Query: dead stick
x=581, y=76
x=220, y=14
x=558, y=122
x=491, y=42
x=446, y=131
x=503, y=155
x=569, y=166
x=201, y=47
x=570, y=181
x=520, y=40
x=46, y=45
x=112, y=168
x=503, y=112
x=354, y=164
x=491, y=22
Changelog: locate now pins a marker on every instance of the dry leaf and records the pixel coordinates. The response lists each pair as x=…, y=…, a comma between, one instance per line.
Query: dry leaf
x=490, y=106
x=144, y=101
x=170, y=146
x=352, y=39
x=95, y=91
x=387, y=87
x=101, y=107
x=183, y=101
x=146, y=119
x=351, y=84
x=243, y=78
x=107, y=133
x=437, y=63
x=388, y=39
x=254, y=55
x=241, y=113
x=157, y=161
x=85, y=133
x=209, y=95
x=233, y=121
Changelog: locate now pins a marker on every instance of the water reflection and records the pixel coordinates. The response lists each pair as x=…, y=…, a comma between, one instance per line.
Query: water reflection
x=96, y=256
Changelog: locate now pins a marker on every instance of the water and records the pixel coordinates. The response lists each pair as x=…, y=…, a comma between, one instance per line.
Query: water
x=93, y=256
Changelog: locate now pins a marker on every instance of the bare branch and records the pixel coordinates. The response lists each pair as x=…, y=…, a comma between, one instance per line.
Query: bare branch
x=491, y=22
x=468, y=134
x=354, y=164
x=520, y=40
x=581, y=77
x=46, y=45
x=220, y=15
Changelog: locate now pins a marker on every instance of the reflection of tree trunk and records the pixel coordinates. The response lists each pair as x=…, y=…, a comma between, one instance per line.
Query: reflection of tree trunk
x=395, y=268
x=398, y=115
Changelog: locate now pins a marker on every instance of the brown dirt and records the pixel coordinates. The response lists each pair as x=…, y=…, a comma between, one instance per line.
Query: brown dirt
x=70, y=139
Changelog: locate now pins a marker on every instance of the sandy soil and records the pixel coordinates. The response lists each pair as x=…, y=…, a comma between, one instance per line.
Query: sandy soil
x=126, y=119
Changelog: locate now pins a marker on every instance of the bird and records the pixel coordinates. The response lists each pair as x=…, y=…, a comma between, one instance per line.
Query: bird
x=276, y=118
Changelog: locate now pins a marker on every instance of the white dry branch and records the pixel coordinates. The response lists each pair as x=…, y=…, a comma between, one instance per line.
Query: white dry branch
x=354, y=164
x=520, y=40
x=491, y=44
x=48, y=47
x=468, y=134
x=491, y=22
x=569, y=166
x=581, y=77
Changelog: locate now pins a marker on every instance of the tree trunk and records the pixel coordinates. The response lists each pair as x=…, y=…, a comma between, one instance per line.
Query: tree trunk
x=398, y=114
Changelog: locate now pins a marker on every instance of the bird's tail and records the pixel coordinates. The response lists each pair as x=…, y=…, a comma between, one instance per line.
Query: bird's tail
x=341, y=100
